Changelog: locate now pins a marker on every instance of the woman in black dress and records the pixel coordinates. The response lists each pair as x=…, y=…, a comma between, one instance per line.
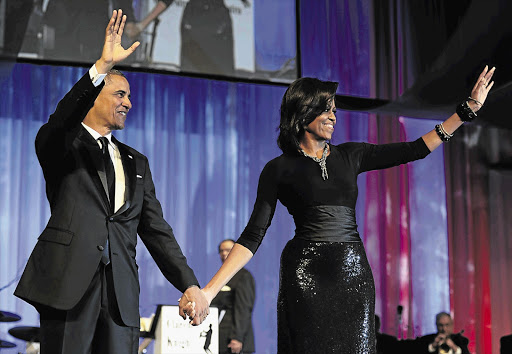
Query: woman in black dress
x=326, y=292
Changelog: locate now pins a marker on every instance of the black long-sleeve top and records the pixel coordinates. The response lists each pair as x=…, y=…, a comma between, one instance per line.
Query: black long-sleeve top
x=296, y=180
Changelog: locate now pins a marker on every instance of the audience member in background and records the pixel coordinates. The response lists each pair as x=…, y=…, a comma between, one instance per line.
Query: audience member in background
x=506, y=344
x=386, y=344
x=235, y=302
x=444, y=341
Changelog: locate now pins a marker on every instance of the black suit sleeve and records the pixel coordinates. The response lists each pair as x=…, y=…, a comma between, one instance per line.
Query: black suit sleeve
x=159, y=239
x=461, y=342
x=54, y=138
x=423, y=343
x=242, y=308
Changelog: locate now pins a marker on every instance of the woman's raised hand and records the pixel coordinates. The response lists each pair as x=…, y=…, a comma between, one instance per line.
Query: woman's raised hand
x=482, y=87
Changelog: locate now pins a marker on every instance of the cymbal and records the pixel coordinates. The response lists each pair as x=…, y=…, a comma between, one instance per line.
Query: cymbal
x=26, y=333
x=8, y=317
x=6, y=344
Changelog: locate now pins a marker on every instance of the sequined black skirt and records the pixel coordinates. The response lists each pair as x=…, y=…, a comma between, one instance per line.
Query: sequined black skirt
x=326, y=299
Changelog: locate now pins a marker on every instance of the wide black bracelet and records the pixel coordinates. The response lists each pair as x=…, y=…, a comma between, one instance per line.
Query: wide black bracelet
x=442, y=134
x=465, y=112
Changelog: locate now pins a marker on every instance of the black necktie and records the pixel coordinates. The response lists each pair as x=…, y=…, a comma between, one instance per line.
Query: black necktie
x=109, y=172
x=111, y=179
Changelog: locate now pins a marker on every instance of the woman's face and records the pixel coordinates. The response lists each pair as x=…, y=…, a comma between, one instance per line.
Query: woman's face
x=323, y=125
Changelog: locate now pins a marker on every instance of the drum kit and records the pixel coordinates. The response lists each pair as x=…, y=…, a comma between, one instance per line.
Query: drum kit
x=26, y=333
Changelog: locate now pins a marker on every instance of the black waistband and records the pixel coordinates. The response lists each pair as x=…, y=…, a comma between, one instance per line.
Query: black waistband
x=327, y=223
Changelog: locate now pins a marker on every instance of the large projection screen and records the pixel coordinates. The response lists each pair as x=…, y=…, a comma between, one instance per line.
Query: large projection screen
x=250, y=39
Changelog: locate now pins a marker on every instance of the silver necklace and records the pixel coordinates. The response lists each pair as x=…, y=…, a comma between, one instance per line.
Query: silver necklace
x=321, y=161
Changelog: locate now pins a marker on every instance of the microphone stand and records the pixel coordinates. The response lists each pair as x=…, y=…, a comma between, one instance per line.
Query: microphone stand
x=399, y=331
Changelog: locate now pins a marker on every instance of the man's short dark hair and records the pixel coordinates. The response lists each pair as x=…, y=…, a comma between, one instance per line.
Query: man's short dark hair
x=113, y=72
x=221, y=242
x=442, y=314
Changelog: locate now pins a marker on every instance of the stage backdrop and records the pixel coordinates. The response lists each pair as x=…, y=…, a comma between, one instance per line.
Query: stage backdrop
x=212, y=37
x=207, y=142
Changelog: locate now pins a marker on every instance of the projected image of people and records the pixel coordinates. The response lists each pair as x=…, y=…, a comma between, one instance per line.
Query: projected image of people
x=206, y=31
x=69, y=39
x=228, y=38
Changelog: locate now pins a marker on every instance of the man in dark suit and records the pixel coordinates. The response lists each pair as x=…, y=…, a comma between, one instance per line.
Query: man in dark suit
x=82, y=276
x=506, y=344
x=385, y=342
x=235, y=302
x=444, y=341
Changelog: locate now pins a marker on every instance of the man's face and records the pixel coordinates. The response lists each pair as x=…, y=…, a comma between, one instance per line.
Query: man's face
x=224, y=249
x=113, y=103
x=445, y=325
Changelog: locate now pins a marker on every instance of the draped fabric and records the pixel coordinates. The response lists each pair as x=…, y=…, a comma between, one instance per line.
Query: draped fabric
x=386, y=231
x=500, y=202
x=407, y=231
x=335, y=43
x=477, y=197
x=462, y=260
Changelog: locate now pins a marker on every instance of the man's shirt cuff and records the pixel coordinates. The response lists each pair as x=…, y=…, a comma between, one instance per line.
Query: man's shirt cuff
x=96, y=78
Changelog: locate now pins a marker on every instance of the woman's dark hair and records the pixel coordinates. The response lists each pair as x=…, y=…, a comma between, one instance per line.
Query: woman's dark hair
x=304, y=100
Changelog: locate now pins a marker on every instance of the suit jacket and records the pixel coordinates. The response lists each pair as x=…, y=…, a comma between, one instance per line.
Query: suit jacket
x=237, y=299
x=386, y=343
x=458, y=339
x=68, y=251
x=506, y=344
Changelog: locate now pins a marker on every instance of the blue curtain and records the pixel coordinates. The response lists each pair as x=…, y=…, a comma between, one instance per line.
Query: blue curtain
x=207, y=142
x=336, y=43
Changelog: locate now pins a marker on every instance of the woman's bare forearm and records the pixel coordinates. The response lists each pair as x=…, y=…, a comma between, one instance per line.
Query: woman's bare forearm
x=237, y=258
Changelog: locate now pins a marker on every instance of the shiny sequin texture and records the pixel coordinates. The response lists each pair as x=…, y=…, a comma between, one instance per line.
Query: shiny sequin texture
x=326, y=293
x=326, y=299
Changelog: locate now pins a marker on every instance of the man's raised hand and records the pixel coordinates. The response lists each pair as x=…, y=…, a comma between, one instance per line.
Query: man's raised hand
x=113, y=52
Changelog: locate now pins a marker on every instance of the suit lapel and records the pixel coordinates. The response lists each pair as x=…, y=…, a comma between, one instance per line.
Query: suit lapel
x=129, y=174
x=92, y=155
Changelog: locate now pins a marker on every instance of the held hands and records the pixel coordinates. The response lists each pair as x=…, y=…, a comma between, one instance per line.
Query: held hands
x=113, y=52
x=194, y=304
x=235, y=346
x=481, y=88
